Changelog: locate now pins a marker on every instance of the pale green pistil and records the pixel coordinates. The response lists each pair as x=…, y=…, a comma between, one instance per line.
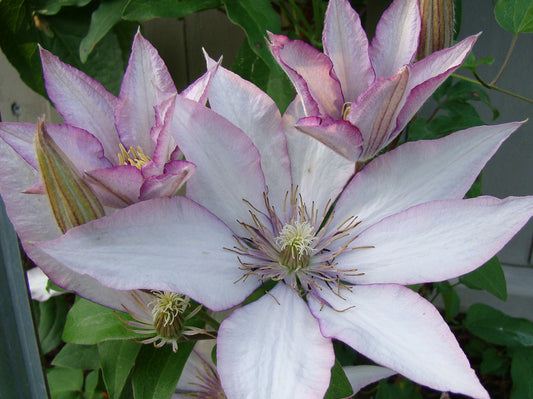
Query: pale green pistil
x=168, y=314
x=296, y=242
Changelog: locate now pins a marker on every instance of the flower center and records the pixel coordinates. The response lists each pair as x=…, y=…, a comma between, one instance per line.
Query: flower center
x=167, y=312
x=133, y=157
x=296, y=245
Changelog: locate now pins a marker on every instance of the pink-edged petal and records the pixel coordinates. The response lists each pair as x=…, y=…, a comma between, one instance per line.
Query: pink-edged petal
x=252, y=110
x=165, y=144
x=436, y=241
x=399, y=179
x=166, y=185
x=428, y=73
x=361, y=376
x=341, y=136
x=118, y=186
x=166, y=244
x=396, y=40
x=228, y=168
x=32, y=218
x=311, y=74
x=82, y=101
x=82, y=148
x=273, y=348
x=376, y=110
x=345, y=43
x=145, y=77
x=399, y=329
x=198, y=90
x=319, y=173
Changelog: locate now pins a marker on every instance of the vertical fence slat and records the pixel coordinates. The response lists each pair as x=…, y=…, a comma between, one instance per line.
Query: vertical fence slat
x=21, y=374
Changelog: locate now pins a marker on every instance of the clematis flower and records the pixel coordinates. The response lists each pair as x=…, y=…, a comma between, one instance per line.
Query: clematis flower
x=121, y=146
x=258, y=213
x=358, y=96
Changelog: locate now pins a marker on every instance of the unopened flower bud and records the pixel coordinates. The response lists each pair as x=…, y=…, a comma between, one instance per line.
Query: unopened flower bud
x=437, y=26
x=72, y=201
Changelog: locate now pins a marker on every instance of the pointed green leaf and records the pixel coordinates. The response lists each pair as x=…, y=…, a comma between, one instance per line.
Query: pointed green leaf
x=84, y=357
x=515, y=15
x=89, y=323
x=157, y=370
x=256, y=18
x=497, y=328
x=103, y=19
x=51, y=7
x=142, y=10
x=117, y=359
x=488, y=277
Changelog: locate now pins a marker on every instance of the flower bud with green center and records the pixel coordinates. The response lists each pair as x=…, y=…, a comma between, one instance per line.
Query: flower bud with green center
x=72, y=201
x=437, y=26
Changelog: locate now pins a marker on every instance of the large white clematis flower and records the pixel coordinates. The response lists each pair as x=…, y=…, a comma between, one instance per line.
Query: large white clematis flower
x=359, y=96
x=257, y=213
x=121, y=146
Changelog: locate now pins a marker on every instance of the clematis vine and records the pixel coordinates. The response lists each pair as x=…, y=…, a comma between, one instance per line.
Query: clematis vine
x=258, y=214
x=358, y=96
x=120, y=148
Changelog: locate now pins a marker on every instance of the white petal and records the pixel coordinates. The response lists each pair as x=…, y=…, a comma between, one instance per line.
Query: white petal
x=166, y=244
x=418, y=172
x=399, y=329
x=228, y=168
x=273, y=348
x=396, y=39
x=252, y=110
x=346, y=45
x=38, y=284
x=319, y=172
x=437, y=240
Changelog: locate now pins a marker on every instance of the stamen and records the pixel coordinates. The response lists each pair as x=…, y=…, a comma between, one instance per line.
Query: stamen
x=133, y=157
x=346, y=109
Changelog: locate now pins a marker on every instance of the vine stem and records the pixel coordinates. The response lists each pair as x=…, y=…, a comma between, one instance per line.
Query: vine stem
x=481, y=82
x=506, y=61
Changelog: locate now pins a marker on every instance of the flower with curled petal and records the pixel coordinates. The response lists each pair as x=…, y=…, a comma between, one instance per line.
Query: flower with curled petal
x=258, y=212
x=121, y=147
x=358, y=96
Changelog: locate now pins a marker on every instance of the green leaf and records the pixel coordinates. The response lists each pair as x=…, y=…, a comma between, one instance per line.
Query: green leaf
x=488, y=277
x=521, y=372
x=275, y=83
x=157, y=370
x=117, y=359
x=91, y=385
x=339, y=386
x=52, y=7
x=52, y=315
x=142, y=10
x=18, y=37
x=493, y=362
x=64, y=380
x=496, y=327
x=256, y=18
x=84, y=357
x=451, y=300
x=103, y=19
x=515, y=16
x=89, y=323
